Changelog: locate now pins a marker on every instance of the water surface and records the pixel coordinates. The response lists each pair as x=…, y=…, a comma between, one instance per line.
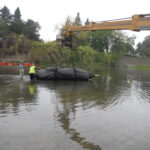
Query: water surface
x=111, y=112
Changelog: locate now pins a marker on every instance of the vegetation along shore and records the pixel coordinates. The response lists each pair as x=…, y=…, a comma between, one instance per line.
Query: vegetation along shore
x=20, y=40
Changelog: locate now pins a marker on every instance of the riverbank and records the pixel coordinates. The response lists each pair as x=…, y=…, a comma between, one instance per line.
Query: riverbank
x=125, y=62
x=134, y=61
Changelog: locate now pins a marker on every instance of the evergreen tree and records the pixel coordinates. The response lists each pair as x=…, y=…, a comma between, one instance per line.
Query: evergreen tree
x=17, y=25
x=78, y=20
x=17, y=15
x=87, y=22
x=5, y=15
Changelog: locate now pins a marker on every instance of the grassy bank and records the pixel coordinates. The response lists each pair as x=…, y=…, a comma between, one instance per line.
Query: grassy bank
x=140, y=67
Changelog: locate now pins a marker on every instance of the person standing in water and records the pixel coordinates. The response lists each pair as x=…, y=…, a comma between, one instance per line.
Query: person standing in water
x=21, y=68
x=32, y=72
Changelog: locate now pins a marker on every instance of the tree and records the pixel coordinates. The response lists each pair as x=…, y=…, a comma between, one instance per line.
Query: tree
x=122, y=43
x=87, y=22
x=144, y=47
x=31, y=29
x=83, y=38
x=15, y=44
x=77, y=20
x=63, y=38
x=64, y=28
x=85, y=55
x=102, y=40
x=17, y=15
x=112, y=41
x=146, y=41
x=78, y=38
x=4, y=29
x=5, y=15
x=17, y=26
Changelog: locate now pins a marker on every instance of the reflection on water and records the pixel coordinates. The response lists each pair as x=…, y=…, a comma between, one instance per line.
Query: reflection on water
x=14, y=93
x=107, y=113
x=64, y=119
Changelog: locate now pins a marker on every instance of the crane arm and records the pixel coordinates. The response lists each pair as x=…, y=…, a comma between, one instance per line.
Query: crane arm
x=136, y=23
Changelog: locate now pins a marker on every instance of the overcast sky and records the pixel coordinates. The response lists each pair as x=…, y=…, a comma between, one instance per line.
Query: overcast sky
x=50, y=13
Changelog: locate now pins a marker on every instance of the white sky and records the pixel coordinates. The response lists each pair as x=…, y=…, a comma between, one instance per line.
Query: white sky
x=50, y=13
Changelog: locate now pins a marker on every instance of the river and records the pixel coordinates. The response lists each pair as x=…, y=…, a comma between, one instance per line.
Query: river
x=110, y=112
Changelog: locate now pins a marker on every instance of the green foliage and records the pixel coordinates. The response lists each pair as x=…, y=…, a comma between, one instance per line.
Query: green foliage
x=85, y=54
x=49, y=52
x=17, y=15
x=107, y=58
x=77, y=21
x=22, y=37
x=102, y=40
x=5, y=15
x=112, y=41
x=115, y=58
x=17, y=27
x=36, y=51
x=62, y=36
x=4, y=29
x=140, y=67
x=144, y=47
x=31, y=29
x=83, y=39
x=12, y=23
x=64, y=28
x=122, y=43
x=14, y=44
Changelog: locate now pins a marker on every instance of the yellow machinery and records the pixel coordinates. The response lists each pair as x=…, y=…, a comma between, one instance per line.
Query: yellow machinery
x=135, y=23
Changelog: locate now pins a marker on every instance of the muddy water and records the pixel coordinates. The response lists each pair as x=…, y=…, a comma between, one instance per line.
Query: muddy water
x=111, y=112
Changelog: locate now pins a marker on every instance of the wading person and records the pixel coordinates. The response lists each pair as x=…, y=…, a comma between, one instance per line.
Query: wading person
x=21, y=69
x=32, y=72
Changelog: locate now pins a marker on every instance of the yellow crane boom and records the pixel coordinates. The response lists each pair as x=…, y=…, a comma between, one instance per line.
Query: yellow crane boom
x=134, y=23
